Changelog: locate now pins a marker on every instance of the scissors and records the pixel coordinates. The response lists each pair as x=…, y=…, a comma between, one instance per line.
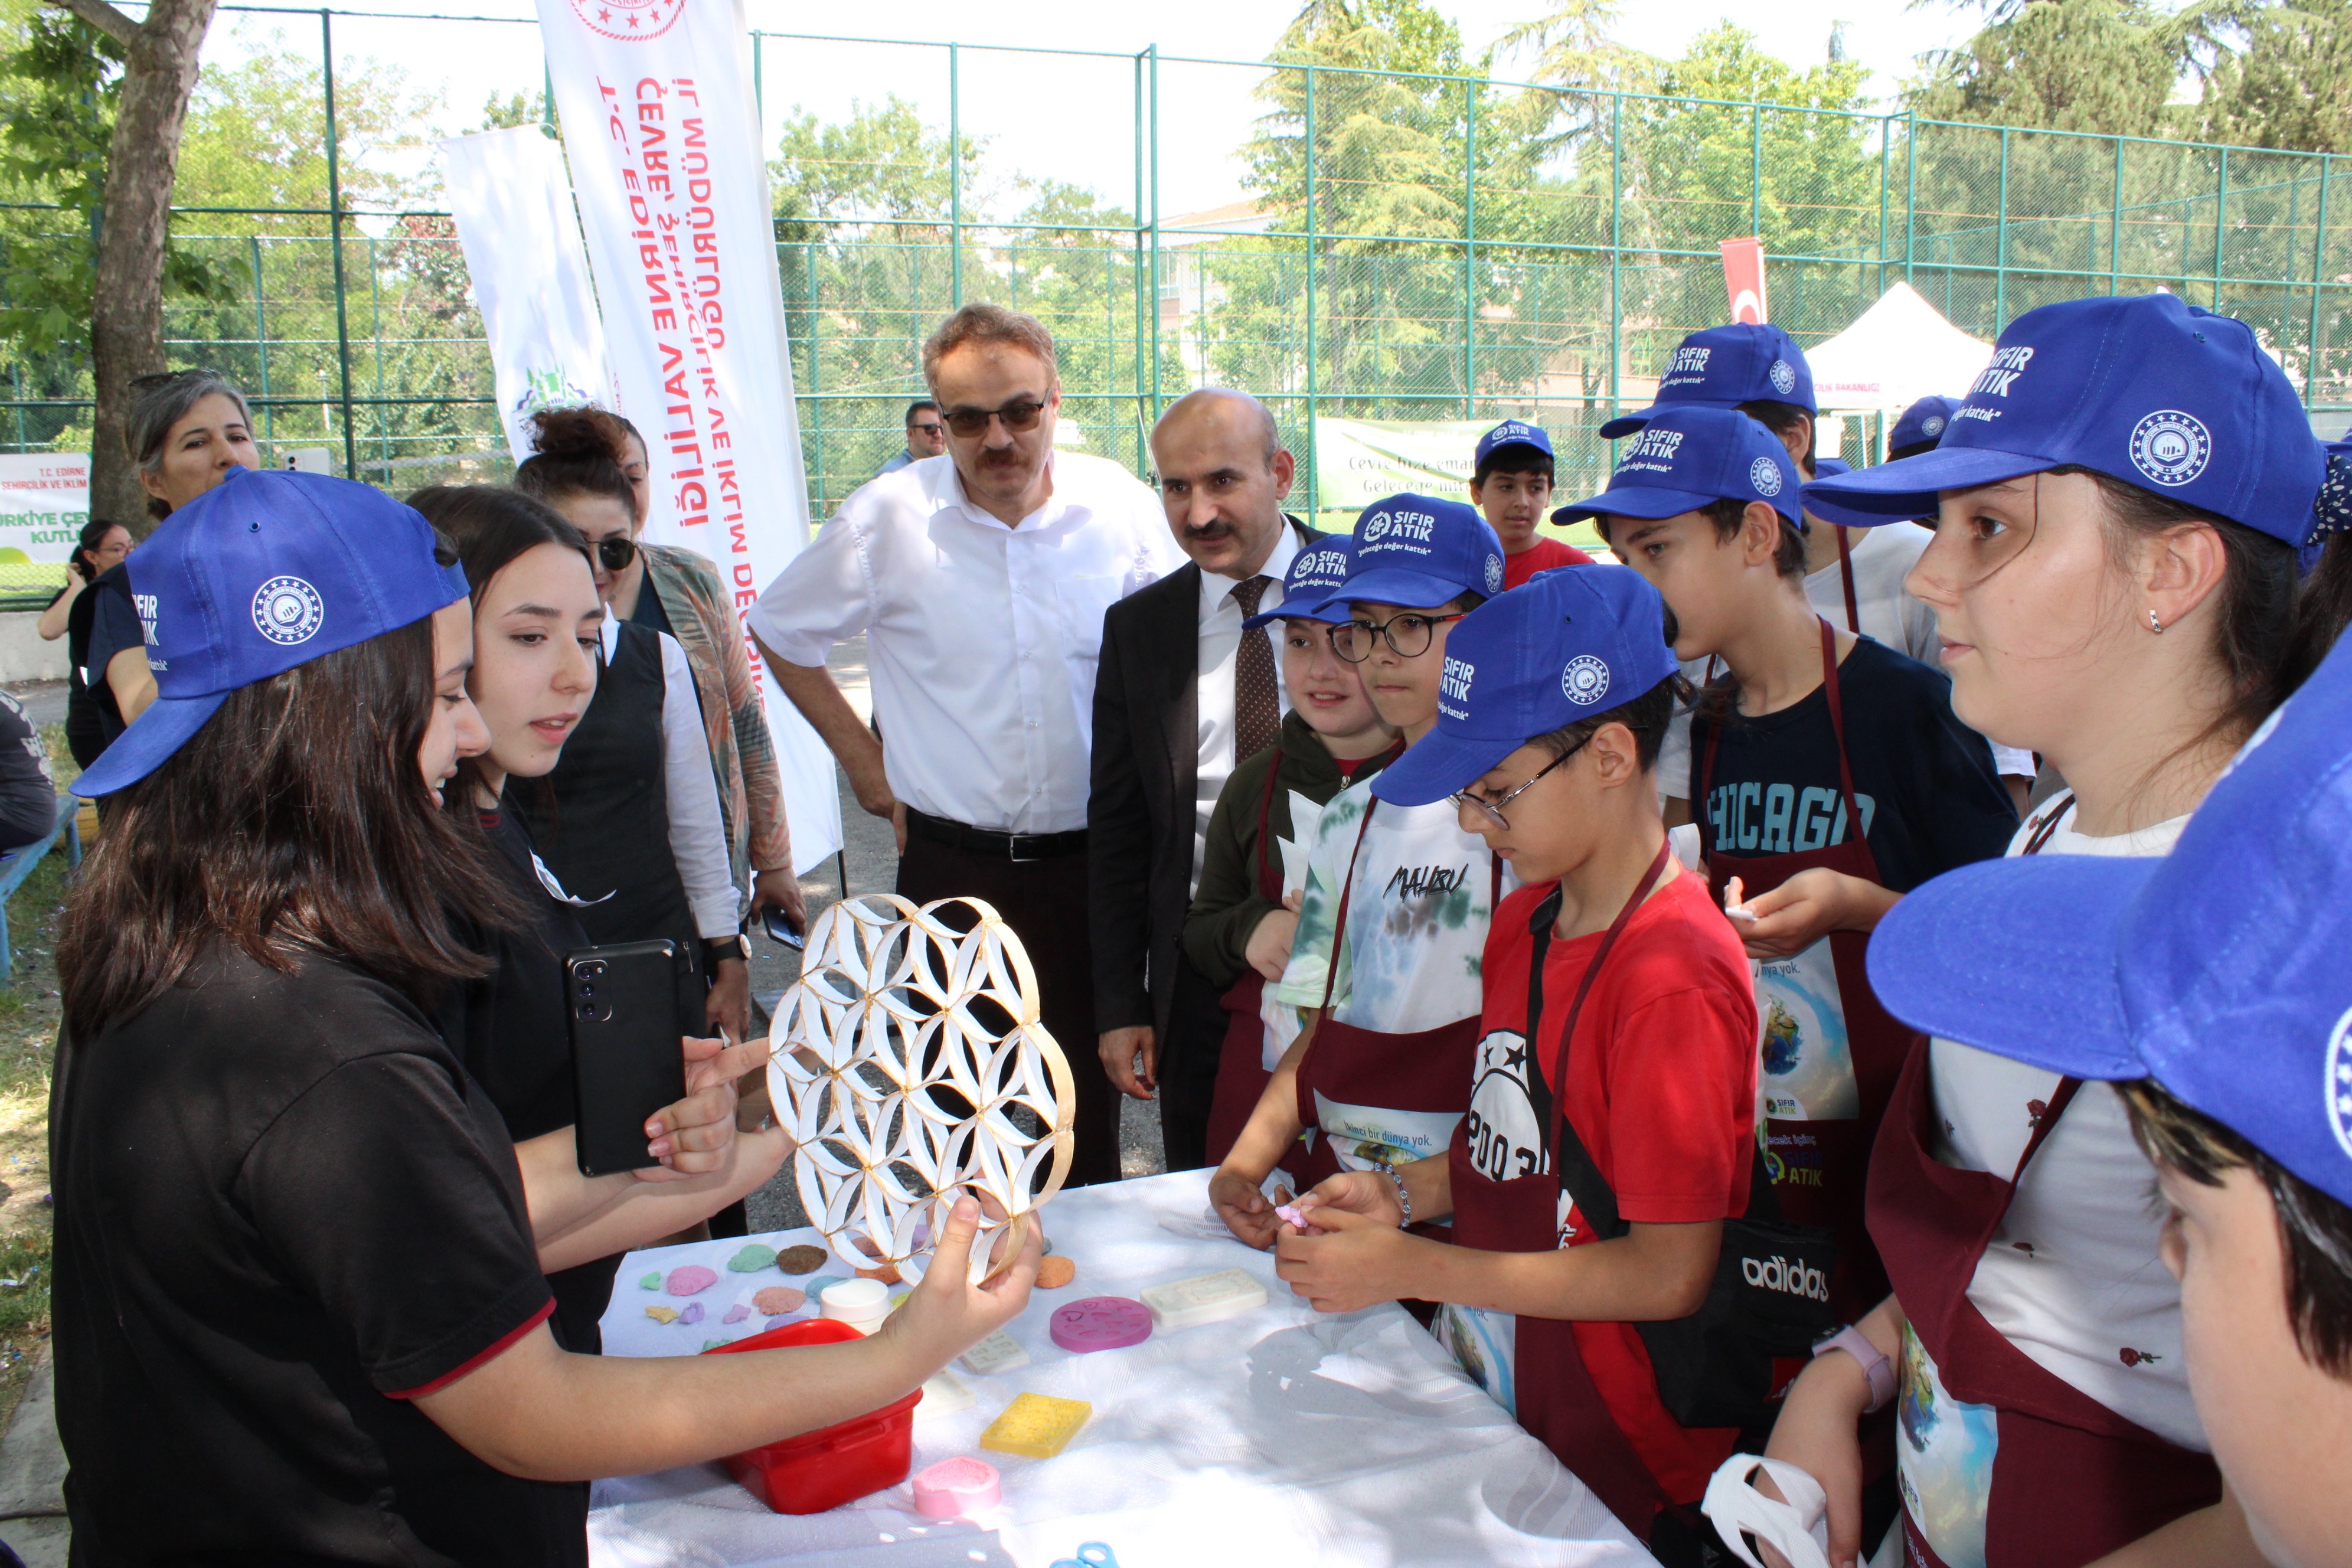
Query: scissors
x=1093, y=1554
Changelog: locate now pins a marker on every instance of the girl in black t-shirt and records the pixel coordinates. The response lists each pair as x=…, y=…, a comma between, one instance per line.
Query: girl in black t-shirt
x=535, y=669
x=295, y=1251
x=102, y=543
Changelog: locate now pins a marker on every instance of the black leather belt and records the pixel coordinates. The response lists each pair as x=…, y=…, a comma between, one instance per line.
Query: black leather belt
x=981, y=841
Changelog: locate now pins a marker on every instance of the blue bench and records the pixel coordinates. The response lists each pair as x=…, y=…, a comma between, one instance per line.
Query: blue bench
x=17, y=864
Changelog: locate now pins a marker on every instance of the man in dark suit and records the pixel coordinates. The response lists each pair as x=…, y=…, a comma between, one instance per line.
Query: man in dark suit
x=1183, y=693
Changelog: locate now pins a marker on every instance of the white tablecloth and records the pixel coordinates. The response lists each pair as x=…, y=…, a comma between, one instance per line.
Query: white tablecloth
x=1280, y=1438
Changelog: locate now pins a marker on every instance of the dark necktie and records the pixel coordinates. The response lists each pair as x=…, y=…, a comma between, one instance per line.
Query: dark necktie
x=1257, y=712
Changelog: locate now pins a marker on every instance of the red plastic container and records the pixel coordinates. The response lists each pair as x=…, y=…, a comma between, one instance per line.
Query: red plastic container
x=833, y=1465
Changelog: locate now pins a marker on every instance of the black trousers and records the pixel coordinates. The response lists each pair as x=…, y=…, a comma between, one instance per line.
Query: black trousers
x=1045, y=902
x=1188, y=1067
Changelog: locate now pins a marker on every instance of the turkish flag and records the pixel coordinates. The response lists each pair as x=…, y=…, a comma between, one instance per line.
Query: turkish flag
x=1743, y=278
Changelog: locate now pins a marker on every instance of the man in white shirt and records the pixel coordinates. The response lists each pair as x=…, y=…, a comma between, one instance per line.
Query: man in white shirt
x=979, y=579
x=1185, y=692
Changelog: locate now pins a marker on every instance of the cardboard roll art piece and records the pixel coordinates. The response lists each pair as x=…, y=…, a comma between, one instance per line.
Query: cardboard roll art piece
x=911, y=1066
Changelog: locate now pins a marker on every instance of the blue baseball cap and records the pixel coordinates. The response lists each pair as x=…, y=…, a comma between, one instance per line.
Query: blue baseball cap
x=1317, y=574
x=2218, y=971
x=269, y=570
x=1692, y=456
x=1723, y=367
x=2149, y=389
x=1511, y=433
x=1563, y=645
x=1825, y=466
x=1922, y=423
x=1418, y=551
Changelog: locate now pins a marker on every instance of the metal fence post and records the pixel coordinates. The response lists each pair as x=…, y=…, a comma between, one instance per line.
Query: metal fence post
x=1885, y=146
x=955, y=182
x=2000, y=244
x=1469, y=243
x=1314, y=487
x=2221, y=219
x=335, y=221
x=1616, y=246
x=2318, y=277
x=759, y=87
x=2116, y=226
x=1910, y=187
x=260, y=345
x=1136, y=270
x=1756, y=169
x=1153, y=53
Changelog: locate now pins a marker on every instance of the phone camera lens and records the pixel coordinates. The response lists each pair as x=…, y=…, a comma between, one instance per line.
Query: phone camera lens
x=588, y=1010
x=587, y=991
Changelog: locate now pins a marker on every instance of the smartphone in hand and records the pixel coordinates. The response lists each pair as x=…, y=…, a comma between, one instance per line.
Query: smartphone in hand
x=779, y=928
x=622, y=1005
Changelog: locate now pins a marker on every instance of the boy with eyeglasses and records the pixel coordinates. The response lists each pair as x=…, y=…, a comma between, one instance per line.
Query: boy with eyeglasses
x=1384, y=965
x=1616, y=998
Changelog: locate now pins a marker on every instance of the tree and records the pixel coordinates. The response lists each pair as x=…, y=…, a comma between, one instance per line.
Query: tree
x=2283, y=77
x=2103, y=66
x=151, y=107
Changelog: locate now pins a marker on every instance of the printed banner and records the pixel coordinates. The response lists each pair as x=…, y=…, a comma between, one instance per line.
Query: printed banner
x=656, y=101
x=43, y=501
x=513, y=209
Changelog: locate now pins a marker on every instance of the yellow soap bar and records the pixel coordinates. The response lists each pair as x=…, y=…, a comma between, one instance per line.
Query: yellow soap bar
x=1037, y=1426
x=662, y=1314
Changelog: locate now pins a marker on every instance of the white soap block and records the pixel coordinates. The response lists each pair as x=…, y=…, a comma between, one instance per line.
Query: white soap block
x=1210, y=1298
x=998, y=1352
x=945, y=1395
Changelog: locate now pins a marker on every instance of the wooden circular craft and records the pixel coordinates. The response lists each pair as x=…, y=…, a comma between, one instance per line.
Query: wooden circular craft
x=895, y=1007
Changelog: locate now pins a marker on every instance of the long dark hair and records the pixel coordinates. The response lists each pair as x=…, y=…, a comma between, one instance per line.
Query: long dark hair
x=577, y=451
x=294, y=821
x=490, y=525
x=86, y=543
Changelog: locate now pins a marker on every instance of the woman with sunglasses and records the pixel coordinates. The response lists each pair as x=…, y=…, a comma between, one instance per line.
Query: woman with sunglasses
x=2119, y=504
x=639, y=759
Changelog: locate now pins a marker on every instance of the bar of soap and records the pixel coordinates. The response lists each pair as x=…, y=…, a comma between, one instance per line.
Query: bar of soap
x=778, y=1300
x=693, y=1313
x=651, y=1281
x=736, y=1313
x=1101, y=1323
x=944, y=1394
x=820, y=1285
x=662, y=1314
x=1053, y=1273
x=801, y=1259
x=687, y=1279
x=957, y=1489
x=752, y=1258
x=998, y=1352
x=1208, y=1299
x=1037, y=1426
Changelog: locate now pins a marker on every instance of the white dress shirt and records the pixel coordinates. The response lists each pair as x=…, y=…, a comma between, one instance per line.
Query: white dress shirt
x=983, y=640
x=698, y=834
x=1221, y=646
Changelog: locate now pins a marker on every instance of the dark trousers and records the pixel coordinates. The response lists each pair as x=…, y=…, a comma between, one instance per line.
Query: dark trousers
x=1045, y=902
x=1188, y=1067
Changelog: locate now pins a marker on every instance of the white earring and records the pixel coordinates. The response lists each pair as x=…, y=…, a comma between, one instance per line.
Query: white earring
x=2154, y=624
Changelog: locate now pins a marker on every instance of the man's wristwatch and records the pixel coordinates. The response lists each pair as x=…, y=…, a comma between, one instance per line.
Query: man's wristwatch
x=720, y=949
x=1875, y=1367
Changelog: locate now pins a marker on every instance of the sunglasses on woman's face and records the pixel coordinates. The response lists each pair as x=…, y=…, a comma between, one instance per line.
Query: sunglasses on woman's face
x=616, y=553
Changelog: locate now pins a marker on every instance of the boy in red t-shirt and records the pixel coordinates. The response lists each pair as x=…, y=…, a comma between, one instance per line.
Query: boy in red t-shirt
x=1510, y=484
x=1555, y=697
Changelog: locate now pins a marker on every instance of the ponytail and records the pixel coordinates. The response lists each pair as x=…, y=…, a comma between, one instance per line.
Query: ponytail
x=577, y=451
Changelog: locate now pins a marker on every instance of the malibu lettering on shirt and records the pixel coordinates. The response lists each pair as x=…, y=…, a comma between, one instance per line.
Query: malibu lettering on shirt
x=1425, y=881
x=1781, y=819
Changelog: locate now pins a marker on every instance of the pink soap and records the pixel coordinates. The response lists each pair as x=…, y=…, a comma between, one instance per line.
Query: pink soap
x=687, y=1279
x=955, y=1488
x=736, y=1313
x=1100, y=1323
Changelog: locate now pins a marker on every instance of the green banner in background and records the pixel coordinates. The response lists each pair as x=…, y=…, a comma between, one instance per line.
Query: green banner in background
x=1358, y=461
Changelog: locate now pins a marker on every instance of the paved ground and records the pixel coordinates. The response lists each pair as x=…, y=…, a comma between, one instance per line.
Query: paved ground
x=31, y=1463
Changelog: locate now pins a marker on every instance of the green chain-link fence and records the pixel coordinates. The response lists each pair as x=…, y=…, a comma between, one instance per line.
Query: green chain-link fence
x=1406, y=247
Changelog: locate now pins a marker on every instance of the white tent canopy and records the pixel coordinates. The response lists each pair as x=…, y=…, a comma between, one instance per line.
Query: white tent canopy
x=1897, y=351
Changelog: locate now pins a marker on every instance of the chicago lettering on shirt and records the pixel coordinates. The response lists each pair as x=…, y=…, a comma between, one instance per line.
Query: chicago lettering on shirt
x=1780, y=818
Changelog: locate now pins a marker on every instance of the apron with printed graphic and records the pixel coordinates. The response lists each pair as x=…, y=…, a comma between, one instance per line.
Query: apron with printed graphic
x=1532, y=1366
x=1243, y=1071
x=1371, y=1100
x=1831, y=1054
x=2003, y=1464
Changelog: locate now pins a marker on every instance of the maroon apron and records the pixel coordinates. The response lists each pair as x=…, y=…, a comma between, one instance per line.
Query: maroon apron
x=1556, y=1400
x=1427, y=1072
x=1241, y=1073
x=1820, y=1166
x=2072, y=1481
x=1845, y=574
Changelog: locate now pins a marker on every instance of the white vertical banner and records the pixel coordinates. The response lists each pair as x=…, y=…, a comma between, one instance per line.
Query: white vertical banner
x=656, y=101
x=513, y=211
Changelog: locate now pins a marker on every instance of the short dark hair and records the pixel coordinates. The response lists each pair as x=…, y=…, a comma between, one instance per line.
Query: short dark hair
x=1780, y=418
x=917, y=407
x=293, y=822
x=1518, y=458
x=1897, y=454
x=2314, y=1229
x=1787, y=556
x=1646, y=715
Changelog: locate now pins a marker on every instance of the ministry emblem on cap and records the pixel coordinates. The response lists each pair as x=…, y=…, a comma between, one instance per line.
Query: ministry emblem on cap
x=1784, y=376
x=1932, y=426
x=1585, y=681
x=2170, y=447
x=288, y=611
x=1765, y=475
x=1494, y=575
x=2338, y=1085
